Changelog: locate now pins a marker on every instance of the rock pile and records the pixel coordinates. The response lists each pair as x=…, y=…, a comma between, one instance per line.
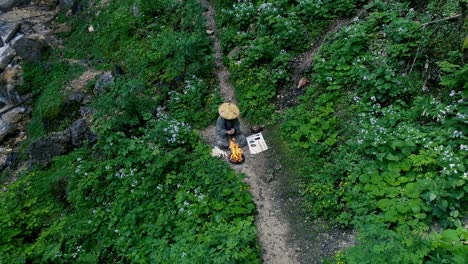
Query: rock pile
x=27, y=32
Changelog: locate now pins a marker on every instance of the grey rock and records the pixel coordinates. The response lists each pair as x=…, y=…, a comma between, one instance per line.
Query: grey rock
x=76, y=97
x=10, y=30
x=42, y=151
x=5, y=57
x=73, y=6
x=67, y=4
x=86, y=111
x=7, y=4
x=80, y=133
x=136, y=10
x=2, y=43
x=104, y=81
x=29, y=49
x=9, y=79
x=10, y=161
x=9, y=121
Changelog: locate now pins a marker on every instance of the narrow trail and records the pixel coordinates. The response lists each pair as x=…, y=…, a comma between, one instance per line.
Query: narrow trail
x=272, y=224
x=285, y=232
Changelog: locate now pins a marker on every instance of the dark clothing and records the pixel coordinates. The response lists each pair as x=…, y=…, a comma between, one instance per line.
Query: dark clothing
x=223, y=126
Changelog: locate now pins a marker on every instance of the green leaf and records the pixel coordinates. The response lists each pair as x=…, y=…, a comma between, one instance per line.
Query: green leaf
x=405, y=165
x=454, y=213
x=450, y=235
x=412, y=190
x=432, y=196
x=384, y=204
x=392, y=157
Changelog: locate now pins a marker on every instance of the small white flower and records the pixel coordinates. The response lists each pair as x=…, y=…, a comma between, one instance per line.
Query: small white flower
x=457, y=134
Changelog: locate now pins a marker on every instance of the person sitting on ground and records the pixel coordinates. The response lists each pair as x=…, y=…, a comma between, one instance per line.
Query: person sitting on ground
x=228, y=126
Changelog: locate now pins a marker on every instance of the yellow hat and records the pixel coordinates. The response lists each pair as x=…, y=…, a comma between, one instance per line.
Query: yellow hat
x=229, y=111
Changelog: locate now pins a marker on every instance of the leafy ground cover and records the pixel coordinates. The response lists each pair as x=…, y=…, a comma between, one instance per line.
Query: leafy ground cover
x=148, y=190
x=261, y=39
x=382, y=130
x=383, y=123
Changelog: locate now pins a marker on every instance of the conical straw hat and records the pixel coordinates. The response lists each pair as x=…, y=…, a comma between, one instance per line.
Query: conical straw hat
x=229, y=111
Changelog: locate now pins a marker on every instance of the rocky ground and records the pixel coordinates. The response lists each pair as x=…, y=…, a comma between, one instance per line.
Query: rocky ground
x=28, y=29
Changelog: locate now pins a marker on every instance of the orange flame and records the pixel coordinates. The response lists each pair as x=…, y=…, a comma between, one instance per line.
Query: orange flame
x=236, y=151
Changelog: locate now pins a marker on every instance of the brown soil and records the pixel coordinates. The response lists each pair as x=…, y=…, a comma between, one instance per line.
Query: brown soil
x=285, y=232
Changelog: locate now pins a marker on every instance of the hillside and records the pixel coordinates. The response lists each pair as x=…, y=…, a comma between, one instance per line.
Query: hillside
x=109, y=110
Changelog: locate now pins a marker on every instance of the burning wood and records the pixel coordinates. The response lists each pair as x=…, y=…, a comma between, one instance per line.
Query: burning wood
x=237, y=155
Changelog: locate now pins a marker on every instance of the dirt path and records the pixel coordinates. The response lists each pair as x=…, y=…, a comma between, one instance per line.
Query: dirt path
x=285, y=232
x=273, y=227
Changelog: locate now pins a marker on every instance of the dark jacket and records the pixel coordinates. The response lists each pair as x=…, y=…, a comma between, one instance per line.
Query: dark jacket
x=224, y=125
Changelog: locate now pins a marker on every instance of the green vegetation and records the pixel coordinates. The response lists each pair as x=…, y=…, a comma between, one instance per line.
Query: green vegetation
x=148, y=190
x=383, y=122
x=381, y=131
x=48, y=82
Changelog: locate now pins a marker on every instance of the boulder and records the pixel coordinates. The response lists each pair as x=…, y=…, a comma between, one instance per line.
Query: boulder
x=104, y=81
x=80, y=133
x=9, y=121
x=9, y=161
x=5, y=57
x=75, y=98
x=8, y=35
x=8, y=31
x=7, y=4
x=9, y=79
x=73, y=6
x=29, y=49
x=43, y=150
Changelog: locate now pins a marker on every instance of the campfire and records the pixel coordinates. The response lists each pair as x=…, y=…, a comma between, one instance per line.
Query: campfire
x=237, y=155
